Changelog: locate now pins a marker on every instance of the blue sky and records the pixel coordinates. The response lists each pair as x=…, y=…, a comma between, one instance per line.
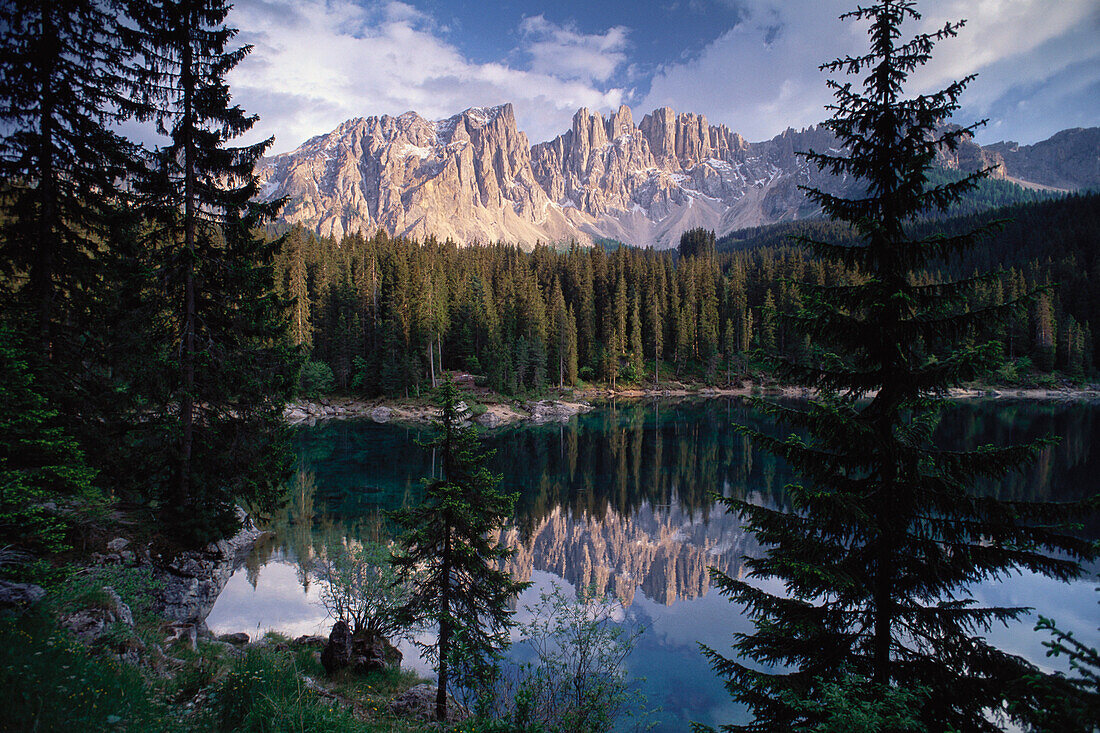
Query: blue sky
x=750, y=64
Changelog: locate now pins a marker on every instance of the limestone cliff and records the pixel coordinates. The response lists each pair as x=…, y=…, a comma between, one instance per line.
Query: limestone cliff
x=467, y=177
x=474, y=176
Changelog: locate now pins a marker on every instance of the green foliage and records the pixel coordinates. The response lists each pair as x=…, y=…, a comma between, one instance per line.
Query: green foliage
x=578, y=681
x=704, y=313
x=51, y=682
x=361, y=588
x=885, y=530
x=44, y=481
x=697, y=242
x=81, y=587
x=316, y=379
x=228, y=370
x=853, y=704
x=450, y=543
x=62, y=165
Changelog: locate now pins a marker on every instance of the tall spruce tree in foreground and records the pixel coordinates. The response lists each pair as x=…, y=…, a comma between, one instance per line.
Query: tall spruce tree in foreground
x=449, y=540
x=233, y=370
x=61, y=163
x=886, y=531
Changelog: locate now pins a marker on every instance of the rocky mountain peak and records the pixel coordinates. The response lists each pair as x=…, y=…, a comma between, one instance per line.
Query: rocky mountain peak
x=475, y=176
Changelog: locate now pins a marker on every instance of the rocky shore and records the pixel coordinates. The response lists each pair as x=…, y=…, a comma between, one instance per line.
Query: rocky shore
x=500, y=414
x=494, y=416
x=1087, y=393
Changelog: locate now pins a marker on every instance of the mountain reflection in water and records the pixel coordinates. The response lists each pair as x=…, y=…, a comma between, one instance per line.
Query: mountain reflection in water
x=623, y=499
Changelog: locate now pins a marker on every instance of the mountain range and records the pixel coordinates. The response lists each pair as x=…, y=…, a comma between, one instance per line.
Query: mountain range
x=475, y=176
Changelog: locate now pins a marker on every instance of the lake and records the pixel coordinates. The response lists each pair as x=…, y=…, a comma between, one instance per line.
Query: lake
x=622, y=498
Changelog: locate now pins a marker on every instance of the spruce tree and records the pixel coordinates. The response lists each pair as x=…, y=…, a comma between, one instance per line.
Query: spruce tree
x=61, y=163
x=40, y=463
x=886, y=531
x=449, y=542
x=232, y=370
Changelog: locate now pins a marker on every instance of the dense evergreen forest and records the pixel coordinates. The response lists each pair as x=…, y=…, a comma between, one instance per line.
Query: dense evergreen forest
x=380, y=315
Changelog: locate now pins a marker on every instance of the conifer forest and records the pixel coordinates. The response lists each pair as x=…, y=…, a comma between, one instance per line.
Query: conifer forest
x=384, y=315
x=832, y=472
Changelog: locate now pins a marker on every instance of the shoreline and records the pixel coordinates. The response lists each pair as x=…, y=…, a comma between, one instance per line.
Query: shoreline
x=565, y=405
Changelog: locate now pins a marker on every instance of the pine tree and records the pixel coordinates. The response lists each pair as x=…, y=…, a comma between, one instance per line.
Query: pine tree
x=61, y=163
x=39, y=462
x=448, y=543
x=637, y=359
x=698, y=242
x=233, y=370
x=301, y=325
x=886, y=531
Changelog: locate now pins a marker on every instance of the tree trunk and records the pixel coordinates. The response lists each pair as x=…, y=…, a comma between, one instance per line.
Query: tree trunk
x=444, y=632
x=431, y=362
x=187, y=400
x=561, y=361
x=42, y=268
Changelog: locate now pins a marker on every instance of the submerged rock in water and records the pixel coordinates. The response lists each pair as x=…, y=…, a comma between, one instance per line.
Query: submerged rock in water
x=544, y=411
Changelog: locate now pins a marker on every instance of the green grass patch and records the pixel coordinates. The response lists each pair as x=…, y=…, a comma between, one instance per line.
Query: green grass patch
x=264, y=692
x=53, y=683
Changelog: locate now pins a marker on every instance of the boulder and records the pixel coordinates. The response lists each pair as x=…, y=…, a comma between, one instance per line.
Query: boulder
x=17, y=597
x=295, y=414
x=310, y=641
x=181, y=631
x=89, y=624
x=337, y=652
x=552, y=411
x=419, y=703
x=92, y=626
x=191, y=581
x=362, y=652
x=489, y=419
x=381, y=414
x=238, y=639
x=370, y=652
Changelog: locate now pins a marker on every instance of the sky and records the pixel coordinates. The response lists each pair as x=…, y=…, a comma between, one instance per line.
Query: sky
x=749, y=64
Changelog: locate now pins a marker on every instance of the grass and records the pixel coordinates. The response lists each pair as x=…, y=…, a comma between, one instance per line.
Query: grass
x=265, y=692
x=52, y=682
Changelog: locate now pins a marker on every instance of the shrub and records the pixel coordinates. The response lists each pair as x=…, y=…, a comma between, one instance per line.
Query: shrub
x=316, y=379
x=578, y=681
x=359, y=586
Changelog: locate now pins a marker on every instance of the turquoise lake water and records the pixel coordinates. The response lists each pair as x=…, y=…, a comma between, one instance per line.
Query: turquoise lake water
x=622, y=498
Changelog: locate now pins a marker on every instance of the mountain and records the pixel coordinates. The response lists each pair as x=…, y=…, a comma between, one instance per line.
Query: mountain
x=1068, y=160
x=474, y=176
x=663, y=552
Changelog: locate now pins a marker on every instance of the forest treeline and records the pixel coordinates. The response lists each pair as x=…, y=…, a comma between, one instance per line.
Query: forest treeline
x=381, y=315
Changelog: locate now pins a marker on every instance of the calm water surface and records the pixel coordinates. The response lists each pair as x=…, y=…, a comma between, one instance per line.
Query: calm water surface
x=621, y=498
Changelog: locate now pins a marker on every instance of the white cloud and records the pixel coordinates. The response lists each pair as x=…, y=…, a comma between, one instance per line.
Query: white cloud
x=317, y=63
x=564, y=52
x=761, y=76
